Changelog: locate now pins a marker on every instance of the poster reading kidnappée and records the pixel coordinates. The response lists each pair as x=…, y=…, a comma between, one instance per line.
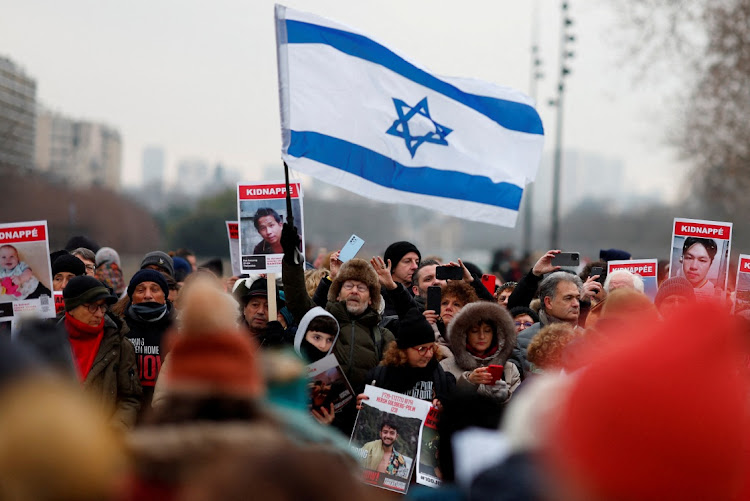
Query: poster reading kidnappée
x=25, y=272
x=645, y=268
x=262, y=213
x=700, y=253
x=386, y=437
x=742, y=287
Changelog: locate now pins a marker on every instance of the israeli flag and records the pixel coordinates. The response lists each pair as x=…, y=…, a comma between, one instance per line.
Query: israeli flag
x=358, y=115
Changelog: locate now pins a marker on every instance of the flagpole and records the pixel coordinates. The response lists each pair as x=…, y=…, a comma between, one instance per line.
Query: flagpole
x=536, y=75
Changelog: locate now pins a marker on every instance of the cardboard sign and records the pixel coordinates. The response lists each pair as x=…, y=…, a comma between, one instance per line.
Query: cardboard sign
x=262, y=212
x=328, y=384
x=25, y=271
x=428, y=467
x=700, y=253
x=645, y=268
x=386, y=437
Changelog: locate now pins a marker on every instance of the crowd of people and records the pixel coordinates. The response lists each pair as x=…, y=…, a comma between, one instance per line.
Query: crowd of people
x=176, y=382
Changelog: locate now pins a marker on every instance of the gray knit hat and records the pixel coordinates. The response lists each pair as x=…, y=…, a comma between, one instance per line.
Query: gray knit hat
x=674, y=286
x=160, y=259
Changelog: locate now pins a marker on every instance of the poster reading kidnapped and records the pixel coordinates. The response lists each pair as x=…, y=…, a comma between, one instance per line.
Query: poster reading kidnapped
x=386, y=437
x=428, y=467
x=645, y=268
x=700, y=253
x=328, y=385
x=25, y=272
x=262, y=213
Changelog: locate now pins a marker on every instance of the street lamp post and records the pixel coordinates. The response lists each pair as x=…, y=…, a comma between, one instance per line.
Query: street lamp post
x=565, y=39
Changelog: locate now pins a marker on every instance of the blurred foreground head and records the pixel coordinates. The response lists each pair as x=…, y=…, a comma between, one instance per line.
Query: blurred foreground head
x=55, y=444
x=659, y=413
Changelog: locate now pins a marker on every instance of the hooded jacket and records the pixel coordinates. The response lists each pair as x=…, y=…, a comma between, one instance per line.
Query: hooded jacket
x=299, y=337
x=463, y=362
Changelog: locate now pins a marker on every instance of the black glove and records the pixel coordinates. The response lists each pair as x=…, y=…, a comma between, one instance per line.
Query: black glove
x=289, y=241
x=274, y=334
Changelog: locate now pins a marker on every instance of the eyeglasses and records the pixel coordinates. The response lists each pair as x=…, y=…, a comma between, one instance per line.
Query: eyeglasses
x=349, y=286
x=93, y=307
x=423, y=350
x=90, y=267
x=525, y=324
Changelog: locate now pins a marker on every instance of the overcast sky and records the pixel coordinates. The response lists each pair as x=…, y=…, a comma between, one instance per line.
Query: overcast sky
x=199, y=77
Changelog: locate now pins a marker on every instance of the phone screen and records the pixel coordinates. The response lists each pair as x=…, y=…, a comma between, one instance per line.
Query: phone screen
x=449, y=273
x=434, y=294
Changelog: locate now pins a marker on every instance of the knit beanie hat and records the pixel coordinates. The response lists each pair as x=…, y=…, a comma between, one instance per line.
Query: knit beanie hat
x=676, y=286
x=160, y=259
x=413, y=330
x=148, y=275
x=613, y=255
x=84, y=290
x=397, y=250
x=68, y=263
x=107, y=255
x=634, y=426
x=181, y=268
x=82, y=241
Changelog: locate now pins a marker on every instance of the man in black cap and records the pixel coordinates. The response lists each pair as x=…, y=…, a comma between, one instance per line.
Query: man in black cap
x=404, y=260
x=254, y=313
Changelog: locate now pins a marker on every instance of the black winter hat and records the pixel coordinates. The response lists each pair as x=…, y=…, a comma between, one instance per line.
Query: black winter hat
x=397, y=250
x=159, y=259
x=148, y=275
x=613, y=255
x=82, y=241
x=84, y=290
x=413, y=330
x=70, y=263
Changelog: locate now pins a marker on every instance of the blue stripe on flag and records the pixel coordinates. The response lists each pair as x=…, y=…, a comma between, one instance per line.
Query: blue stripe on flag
x=509, y=114
x=384, y=171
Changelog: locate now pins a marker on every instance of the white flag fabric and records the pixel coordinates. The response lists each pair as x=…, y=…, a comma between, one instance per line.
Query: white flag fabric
x=357, y=115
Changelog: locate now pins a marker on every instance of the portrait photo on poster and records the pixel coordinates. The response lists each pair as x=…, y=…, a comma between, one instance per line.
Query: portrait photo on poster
x=700, y=253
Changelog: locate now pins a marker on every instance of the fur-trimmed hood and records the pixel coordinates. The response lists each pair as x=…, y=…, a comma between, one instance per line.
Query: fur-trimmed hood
x=469, y=316
x=362, y=271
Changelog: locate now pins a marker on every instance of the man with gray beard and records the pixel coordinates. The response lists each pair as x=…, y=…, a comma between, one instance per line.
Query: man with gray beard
x=353, y=299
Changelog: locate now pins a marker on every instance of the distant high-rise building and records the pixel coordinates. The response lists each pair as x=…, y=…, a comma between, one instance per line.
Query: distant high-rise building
x=153, y=168
x=17, y=115
x=192, y=176
x=81, y=153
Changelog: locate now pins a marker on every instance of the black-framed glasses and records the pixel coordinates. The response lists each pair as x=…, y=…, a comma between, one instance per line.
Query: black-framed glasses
x=524, y=324
x=93, y=307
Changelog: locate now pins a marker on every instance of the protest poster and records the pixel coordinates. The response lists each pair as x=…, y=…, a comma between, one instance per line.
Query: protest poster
x=428, y=466
x=742, y=287
x=25, y=272
x=386, y=437
x=262, y=212
x=700, y=253
x=328, y=385
x=233, y=232
x=59, y=302
x=645, y=268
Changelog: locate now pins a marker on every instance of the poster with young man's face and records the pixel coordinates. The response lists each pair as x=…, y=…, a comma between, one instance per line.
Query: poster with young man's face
x=262, y=212
x=386, y=437
x=700, y=254
x=742, y=287
x=25, y=272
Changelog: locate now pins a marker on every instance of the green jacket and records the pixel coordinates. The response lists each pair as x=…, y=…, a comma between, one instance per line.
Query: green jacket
x=360, y=344
x=113, y=379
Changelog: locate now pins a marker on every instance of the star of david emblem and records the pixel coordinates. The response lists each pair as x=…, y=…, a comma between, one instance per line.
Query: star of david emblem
x=419, y=116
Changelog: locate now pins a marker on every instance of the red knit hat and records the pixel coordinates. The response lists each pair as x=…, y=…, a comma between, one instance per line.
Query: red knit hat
x=660, y=415
x=222, y=363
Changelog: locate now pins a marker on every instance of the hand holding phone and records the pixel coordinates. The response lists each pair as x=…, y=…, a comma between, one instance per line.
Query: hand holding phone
x=434, y=294
x=598, y=270
x=350, y=248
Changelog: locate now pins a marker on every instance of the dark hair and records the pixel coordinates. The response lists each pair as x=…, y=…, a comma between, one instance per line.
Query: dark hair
x=183, y=252
x=388, y=422
x=708, y=243
x=586, y=271
x=263, y=212
x=422, y=264
x=548, y=287
x=325, y=324
x=506, y=286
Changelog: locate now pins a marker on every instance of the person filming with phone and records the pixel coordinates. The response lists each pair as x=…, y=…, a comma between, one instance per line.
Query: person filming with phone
x=482, y=337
